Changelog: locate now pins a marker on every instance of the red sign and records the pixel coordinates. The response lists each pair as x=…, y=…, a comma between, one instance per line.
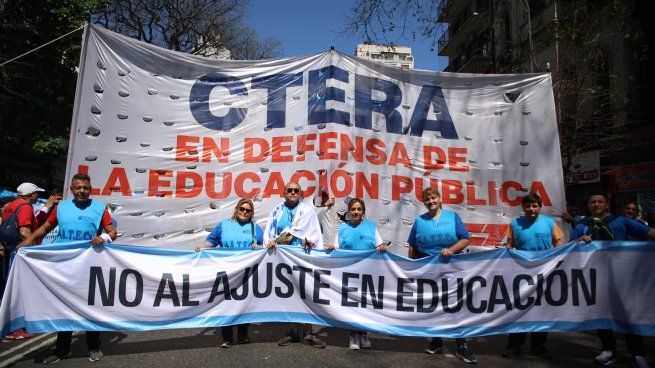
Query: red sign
x=639, y=176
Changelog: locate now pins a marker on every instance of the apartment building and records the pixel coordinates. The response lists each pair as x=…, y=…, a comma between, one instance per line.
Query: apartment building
x=398, y=56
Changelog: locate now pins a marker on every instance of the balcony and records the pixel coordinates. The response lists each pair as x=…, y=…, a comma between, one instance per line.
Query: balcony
x=477, y=63
x=471, y=19
x=477, y=57
x=449, y=9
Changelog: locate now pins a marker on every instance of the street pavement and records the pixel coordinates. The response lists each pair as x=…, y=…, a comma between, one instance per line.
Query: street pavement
x=200, y=348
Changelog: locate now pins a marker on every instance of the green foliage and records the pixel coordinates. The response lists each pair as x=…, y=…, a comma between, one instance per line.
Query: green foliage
x=37, y=90
x=51, y=145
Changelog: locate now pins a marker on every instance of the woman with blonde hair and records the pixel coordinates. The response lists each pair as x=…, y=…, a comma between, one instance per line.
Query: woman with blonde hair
x=443, y=231
x=240, y=231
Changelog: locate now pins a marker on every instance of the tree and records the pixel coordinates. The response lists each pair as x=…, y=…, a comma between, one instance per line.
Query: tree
x=582, y=89
x=387, y=21
x=204, y=27
x=598, y=91
x=37, y=90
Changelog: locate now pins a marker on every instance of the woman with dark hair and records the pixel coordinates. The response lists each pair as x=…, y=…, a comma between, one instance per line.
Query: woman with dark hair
x=357, y=233
x=240, y=231
x=444, y=231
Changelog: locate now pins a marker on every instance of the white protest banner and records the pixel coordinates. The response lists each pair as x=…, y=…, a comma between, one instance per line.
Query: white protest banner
x=172, y=141
x=571, y=288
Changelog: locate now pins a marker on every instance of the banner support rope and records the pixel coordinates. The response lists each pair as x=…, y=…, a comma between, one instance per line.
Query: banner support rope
x=45, y=44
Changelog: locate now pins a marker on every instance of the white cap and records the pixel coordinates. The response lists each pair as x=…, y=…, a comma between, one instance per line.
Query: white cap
x=27, y=189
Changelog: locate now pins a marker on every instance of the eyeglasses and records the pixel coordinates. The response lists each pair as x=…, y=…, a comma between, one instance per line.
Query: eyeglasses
x=293, y=190
x=244, y=209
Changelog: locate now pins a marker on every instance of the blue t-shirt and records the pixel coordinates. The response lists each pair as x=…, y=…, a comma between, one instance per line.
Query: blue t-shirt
x=533, y=235
x=233, y=234
x=429, y=233
x=621, y=227
x=286, y=220
x=360, y=237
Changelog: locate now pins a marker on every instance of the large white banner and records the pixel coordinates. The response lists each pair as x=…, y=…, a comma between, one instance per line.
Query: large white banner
x=572, y=288
x=172, y=140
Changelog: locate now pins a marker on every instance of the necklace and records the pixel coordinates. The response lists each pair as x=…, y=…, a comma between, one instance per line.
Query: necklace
x=437, y=218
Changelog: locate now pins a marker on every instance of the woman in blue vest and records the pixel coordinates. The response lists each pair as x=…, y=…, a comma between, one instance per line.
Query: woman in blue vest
x=240, y=231
x=357, y=234
x=531, y=232
x=443, y=231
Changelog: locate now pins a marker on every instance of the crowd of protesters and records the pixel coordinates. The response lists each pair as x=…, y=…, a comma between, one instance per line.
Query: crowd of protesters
x=295, y=223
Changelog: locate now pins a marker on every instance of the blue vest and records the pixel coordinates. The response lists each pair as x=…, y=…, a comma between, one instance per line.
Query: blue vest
x=237, y=235
x=435, y=233
x=533, y=235
x=358, y=237
x=78, y=223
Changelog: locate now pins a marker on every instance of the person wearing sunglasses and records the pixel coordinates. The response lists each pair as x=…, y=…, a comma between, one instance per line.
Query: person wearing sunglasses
x=294, y=223
x=357, y=233
x=239, y=231
x=443, y=231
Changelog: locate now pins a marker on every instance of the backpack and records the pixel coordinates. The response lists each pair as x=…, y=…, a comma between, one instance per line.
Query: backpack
x=10, y=232
x=599, y=229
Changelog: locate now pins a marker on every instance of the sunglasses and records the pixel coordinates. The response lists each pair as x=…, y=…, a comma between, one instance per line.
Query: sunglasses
x=293, y=190
x=244, y=209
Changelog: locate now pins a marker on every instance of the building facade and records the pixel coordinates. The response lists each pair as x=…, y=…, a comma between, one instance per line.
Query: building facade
x=398, y=56
x=599, y=54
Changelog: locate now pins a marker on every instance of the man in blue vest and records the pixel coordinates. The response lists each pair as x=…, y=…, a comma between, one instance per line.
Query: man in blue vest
x=80, y=218
x=602, y=225
x=531, y=232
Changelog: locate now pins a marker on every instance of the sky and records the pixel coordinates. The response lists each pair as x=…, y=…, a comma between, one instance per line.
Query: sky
x=309, y=26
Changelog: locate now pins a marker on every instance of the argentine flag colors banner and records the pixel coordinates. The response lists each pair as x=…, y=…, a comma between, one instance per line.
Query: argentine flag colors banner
x=172, y=141
x=114, y=288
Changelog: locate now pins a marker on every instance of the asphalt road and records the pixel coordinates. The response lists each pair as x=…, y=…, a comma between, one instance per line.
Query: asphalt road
x=200, y=348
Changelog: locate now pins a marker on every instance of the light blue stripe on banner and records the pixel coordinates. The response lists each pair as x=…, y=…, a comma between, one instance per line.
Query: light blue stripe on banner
x=203, y=322
x=495, y=254
x=204, y=253
x=13, y=325
x=58, y=246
